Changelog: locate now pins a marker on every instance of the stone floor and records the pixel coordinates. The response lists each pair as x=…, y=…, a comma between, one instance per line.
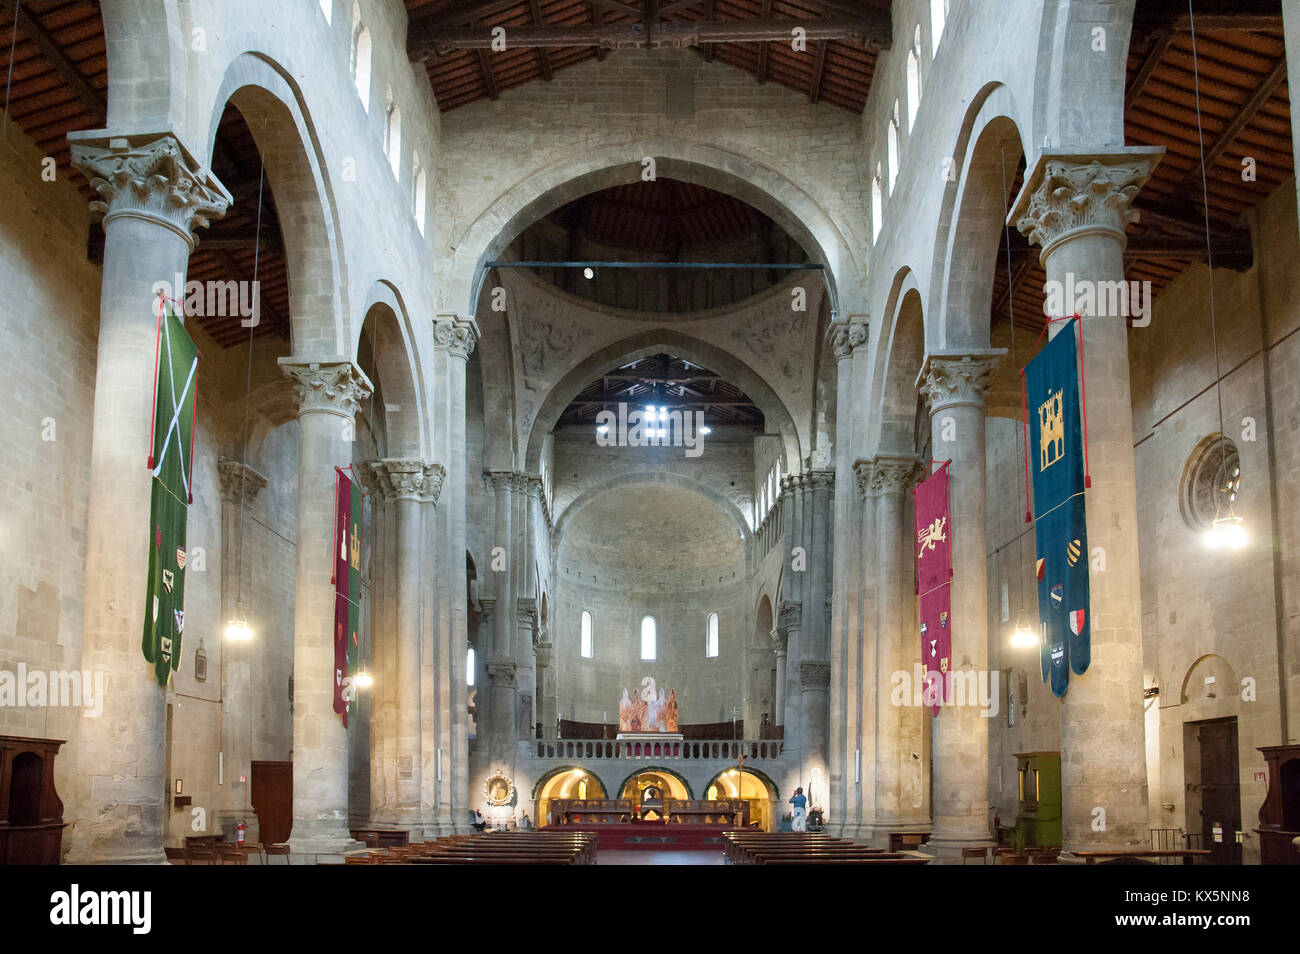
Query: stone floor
x=615, y=857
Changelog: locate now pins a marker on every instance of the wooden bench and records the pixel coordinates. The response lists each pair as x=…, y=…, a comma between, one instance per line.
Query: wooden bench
x=544, y=848
x=1136, y=855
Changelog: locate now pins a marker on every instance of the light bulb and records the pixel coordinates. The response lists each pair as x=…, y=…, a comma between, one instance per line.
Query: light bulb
x=1023, y=636
x=364, y=680
x=602, y=429
x=238, y=631
x=588, y=273
x=1227, y=532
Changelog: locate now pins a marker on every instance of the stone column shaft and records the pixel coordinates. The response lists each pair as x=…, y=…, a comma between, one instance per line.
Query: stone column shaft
x=1076, y=208
x=329, y=394
x=898, y=801
x=153, y=193
x=954, y=385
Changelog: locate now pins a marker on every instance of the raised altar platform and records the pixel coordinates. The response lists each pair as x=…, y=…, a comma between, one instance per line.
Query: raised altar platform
x=649, y=737
x=718, y=812
x=654, y=836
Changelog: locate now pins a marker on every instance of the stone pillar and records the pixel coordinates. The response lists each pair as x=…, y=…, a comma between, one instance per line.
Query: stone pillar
x=547, y=703
x=778, y=704
x=845, y=635
x=814, y=681
x=401, y=482
x=240, y=486
x=1076, y=208
x=431, y=761
x=501, y=664
x=383, y=648
x=153, y=193
x=527, y=672
x=862, y=661
x=455, y=337
x=329, y=395
x=897, y=728
x=954, y=386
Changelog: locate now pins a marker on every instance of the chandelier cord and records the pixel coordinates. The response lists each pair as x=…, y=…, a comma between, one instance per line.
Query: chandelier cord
x=1209, y=256
x=9, y=81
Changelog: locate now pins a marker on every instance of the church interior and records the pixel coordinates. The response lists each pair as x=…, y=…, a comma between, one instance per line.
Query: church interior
x=650, y=432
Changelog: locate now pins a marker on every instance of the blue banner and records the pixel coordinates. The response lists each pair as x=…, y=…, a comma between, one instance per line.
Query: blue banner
x=1061, y=527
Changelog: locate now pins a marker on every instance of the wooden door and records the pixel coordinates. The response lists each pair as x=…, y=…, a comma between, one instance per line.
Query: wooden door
x=1220, y=790
x=272, y=798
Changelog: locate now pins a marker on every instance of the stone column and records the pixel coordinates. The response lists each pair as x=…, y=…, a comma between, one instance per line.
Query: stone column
x=898, y=728
x=862, y=661
x=1076, y=208
x=527, y=674
x=431, y=665
x=814, y=680
x=329, y=393
x=546, y=687
x=240, y=486
x=954, y=386
x=383, y=649
x=153, y=193
x=454, y=337
x=402, y=484
x=845, y=635
x=778, y=704
x=502, y=696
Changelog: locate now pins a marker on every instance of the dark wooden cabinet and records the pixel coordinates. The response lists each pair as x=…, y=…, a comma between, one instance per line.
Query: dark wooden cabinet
x=1279, y=816
x=31, y=812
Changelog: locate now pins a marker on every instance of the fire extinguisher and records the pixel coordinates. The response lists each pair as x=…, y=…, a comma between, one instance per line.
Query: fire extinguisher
x=239, y=833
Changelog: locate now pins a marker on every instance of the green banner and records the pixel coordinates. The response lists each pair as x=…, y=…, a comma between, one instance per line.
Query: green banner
x=176, y=377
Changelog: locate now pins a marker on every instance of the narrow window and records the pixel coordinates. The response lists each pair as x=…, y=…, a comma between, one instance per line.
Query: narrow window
x=585, y=647
x=711, y=641
x=938, y=15
x=421, y=193
x=913, y=85
x=892, y=143
x=877, y=200
x=469, y=667
x=360, y=57
x=327, y=8
x=648, y=638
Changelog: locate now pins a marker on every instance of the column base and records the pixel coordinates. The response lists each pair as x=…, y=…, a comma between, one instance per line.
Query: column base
x=881, y=828
x=321, y=840
x=945, y=848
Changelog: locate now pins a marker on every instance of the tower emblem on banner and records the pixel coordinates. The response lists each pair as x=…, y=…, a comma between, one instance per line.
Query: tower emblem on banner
x=1061, y=528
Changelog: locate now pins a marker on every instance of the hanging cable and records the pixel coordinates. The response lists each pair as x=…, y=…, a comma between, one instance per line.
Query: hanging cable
x=9, y=82
x=248, y=390
x=1011, y=312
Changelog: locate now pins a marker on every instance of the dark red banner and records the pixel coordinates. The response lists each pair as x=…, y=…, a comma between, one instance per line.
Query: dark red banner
x=934, y=584
x=342, y=579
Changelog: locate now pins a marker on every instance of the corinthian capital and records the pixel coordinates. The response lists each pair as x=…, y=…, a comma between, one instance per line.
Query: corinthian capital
x=434, y=476
x=1068, y=195
x=954, y=380
x=333, y=387
x=152, y=177
x=240, y=484
x=814, y=675
x=454, y=335
x=399, y=479
x=791, y=614
x=862, y=471
x=894, y=475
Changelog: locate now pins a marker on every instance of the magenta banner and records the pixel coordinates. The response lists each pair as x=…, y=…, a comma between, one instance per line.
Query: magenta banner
x=934, y=584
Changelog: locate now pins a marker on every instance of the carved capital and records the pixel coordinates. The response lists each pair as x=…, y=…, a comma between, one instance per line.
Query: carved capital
x=487, y=607
x=1067, y=195
x=332, y=387
x=152, y=177
x=398, y=479
x=499, y=481
x=819, y=481
x=955, y=380
x=454, y=335
x=526, y=612
x=434, y=477
x=849, y=336
x=544, y=653
x=894, y=475
x=239, y=482
x=862, y=471
x=502, y=672
x=791, y=614
x=814, y=675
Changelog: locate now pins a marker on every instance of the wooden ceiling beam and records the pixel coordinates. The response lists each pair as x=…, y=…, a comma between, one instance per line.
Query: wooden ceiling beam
x=543, y=57
x=765, y=14
x=870, y=31
x=1157, y=52
x=819, y=71
x=53, y=54
x=489, y=80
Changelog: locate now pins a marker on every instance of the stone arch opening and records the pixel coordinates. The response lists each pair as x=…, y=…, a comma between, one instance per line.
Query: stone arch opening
x=386, y=354
x=754, y=787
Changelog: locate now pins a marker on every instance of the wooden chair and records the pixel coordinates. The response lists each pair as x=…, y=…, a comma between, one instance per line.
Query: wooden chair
x=1015, y=858
x=199, y=855
x=230, y=854
x=272, y=850
x=1043, y=858
x=980, y=853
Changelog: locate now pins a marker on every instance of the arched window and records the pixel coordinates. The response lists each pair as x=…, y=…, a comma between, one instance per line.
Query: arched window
x=360, y=57
x=938, y=16
x=469, y=666
x=421, y=192
x=327, y=8
x=585, y=641
x=648, y=637
x=892, y=143
x=711, y=639
x=877, y=201
x=914, y=80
